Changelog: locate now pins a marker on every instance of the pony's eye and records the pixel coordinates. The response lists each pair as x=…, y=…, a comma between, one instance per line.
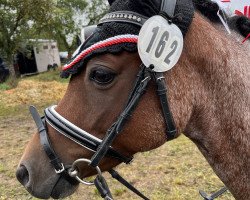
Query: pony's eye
x=102, y=76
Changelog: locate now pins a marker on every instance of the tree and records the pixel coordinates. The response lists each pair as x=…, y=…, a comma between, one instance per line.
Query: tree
x=16, y=20
x=96, y=10
x=59, y=20
x=68, y=17
x=62, y=25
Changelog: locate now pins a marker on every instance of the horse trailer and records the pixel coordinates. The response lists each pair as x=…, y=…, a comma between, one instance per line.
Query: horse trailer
x=38, y=56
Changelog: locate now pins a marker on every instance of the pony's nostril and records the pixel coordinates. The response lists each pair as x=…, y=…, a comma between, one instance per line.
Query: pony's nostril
x=22, y=175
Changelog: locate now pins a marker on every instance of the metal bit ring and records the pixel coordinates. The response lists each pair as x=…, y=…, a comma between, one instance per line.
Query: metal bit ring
x=74, y=173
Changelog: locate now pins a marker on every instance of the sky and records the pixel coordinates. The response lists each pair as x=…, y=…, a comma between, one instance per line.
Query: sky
x=234, y=4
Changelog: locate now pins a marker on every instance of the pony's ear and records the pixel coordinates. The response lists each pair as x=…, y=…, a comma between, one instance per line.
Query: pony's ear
x=111, y=1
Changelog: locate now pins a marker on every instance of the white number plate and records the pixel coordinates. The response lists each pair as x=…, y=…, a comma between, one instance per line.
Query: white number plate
x=160, y=44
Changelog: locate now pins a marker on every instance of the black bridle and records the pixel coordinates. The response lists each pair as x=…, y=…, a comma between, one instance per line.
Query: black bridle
x=103, y=148
x=144, y=77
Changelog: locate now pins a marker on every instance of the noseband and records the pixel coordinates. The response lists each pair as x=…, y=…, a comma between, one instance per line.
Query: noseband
x=103, y=148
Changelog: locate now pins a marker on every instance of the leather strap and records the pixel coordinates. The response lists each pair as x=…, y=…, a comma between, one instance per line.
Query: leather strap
x=162, y=93
x=45, y=142
x=214, y=195
x=73, y=134
x=118, y=177
x=102, y=186
x=182, y=12
x=124, y=16
x=138, y=80
x=117, y=127
x=168, y=6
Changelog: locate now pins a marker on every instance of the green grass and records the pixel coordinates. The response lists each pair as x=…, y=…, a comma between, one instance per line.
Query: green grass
x=53, y=75
x=16, y=100
x=4, y=86
x=2, y=168
x=10, y=83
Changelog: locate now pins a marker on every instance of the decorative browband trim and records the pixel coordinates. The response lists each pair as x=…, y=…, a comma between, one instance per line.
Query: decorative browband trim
x=124, y=16
x=128, y=38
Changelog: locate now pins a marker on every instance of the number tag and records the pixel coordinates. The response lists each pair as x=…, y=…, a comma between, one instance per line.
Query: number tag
x=160, y=44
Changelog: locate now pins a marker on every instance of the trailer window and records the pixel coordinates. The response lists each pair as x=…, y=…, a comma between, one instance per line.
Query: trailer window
x=53, y=46
x=45, y=47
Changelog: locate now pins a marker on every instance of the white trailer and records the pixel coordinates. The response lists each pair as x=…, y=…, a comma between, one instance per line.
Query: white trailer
x=46, y=55
x=37, y=56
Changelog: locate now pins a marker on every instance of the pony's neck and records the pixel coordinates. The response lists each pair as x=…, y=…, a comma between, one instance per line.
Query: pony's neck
x=219, y=122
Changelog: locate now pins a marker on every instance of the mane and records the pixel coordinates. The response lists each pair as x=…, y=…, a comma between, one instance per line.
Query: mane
x=209, y=9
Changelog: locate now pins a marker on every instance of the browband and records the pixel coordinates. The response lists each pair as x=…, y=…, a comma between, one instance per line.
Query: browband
x=184, y=9
x=124, y=16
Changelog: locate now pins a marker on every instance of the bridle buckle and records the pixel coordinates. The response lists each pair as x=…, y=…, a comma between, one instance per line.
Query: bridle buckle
x=59, y=171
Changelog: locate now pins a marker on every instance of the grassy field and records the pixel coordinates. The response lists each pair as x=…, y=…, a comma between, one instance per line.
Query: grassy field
x=175, y=171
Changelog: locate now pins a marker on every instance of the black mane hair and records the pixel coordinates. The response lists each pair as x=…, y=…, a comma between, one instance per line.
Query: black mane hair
x=209, y=9
x=240, y=24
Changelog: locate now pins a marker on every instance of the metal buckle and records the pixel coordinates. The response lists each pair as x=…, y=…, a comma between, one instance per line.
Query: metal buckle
x=60, y=170
x=74, y=173
x=145, y=79
x=160, y=78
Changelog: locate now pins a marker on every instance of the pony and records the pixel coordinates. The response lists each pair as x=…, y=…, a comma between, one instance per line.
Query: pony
x=209, y=96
